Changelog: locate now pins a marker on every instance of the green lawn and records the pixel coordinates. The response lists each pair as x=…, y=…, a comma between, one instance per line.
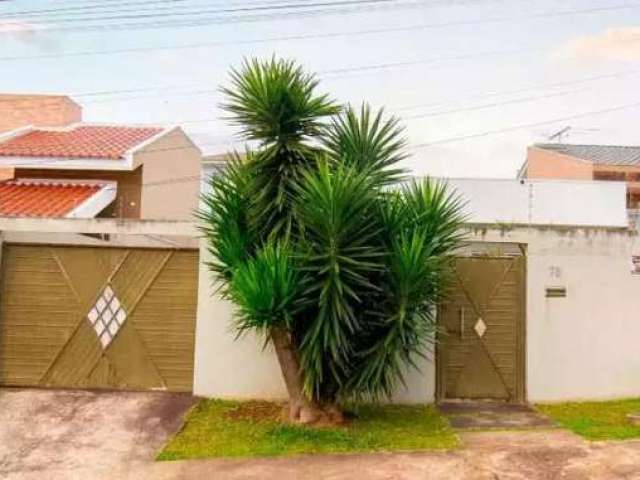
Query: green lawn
x=216, y=428
x=596, y=420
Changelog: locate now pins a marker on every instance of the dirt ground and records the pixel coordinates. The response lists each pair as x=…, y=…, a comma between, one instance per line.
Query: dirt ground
x=55, y=435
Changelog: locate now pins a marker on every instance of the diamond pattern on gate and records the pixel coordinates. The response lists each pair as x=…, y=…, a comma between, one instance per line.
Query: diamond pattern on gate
x=480, y=327
x=107, y=316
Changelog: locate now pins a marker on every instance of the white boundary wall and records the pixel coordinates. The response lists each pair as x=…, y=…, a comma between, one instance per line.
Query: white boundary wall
x=584, y=346
x=543, y=202
x=226, y=367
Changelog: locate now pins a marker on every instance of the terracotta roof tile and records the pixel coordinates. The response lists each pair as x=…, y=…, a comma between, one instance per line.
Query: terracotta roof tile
x=41, y=198
x=82, y=141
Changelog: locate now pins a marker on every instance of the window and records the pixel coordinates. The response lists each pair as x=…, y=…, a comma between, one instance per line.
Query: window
x=635, y=264
x=618, y=176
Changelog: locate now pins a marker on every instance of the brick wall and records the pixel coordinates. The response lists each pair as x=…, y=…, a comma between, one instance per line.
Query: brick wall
x=39, y=110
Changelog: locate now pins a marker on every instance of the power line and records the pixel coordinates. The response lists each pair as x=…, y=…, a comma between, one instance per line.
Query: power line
x=498, y=93
x=22, y=14
x=91, y=8
x=524, y=126
x=478, y=95
x=375, y=31
x=409, y=63
x=281, y=7
x=340, y=72
x=228, y=19
x=403, y=108
x=495, y=104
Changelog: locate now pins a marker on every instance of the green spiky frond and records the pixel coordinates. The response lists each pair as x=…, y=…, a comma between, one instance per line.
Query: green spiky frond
x=336, y=210
x=368, y=142
x=266, y=289
x=422, y=221
x=275, y=103
x=224, y=218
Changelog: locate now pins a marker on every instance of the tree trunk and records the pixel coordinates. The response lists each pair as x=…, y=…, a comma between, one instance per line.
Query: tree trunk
x=301, y=409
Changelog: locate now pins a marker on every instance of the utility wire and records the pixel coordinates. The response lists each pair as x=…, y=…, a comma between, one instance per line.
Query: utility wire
x=229, y=19
x=524, y=126
x=97, y=7
x=478, y=95
x=536, y=86
x=341, y=73
x=425, y=61
x=279, y=7
x=314, y=36
x=496, y=104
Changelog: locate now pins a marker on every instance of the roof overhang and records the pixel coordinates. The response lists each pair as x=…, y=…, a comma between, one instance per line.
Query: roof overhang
x=96, y=203
x=125, y=163
x=27, y=199
x=62, y=163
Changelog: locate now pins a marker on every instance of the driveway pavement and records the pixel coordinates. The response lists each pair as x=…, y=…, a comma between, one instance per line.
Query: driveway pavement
x=65, y=434
x=83, y=435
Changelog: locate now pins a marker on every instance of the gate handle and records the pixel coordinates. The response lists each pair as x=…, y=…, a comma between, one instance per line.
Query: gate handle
x=461, y=322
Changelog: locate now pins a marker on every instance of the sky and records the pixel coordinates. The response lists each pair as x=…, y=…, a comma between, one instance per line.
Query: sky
x=474, y=82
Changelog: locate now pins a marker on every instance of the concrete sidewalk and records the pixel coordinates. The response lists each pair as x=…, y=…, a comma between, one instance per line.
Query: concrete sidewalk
x=56, y=435
x=526, y=455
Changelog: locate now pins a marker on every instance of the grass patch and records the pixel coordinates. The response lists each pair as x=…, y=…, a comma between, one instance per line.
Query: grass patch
x=596, y=420
x=216, y=428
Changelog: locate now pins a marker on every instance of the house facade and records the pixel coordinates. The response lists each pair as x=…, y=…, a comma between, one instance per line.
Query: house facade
x=543, y=307
x=154, y=171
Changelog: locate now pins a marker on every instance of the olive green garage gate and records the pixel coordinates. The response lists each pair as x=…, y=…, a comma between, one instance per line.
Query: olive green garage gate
x=97, y=317
x=480, y=349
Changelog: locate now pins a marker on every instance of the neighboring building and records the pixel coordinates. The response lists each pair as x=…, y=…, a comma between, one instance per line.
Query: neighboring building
x=37, y=110
x=215, y=162
x=212, y=165
x=155, y=171
x=586, y=162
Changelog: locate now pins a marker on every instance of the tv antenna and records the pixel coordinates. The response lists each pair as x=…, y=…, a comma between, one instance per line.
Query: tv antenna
x=560, y=134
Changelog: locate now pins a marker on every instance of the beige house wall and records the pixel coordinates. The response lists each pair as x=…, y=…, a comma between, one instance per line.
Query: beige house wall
x=543, y=163
x=38, y=110
x=583, y=346
x=170, y=177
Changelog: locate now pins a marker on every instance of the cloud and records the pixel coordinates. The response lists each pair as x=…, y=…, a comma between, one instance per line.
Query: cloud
x=613, y=44
x=17, y=30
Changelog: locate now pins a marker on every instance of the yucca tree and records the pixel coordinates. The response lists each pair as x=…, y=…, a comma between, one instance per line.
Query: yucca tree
x=327, y=250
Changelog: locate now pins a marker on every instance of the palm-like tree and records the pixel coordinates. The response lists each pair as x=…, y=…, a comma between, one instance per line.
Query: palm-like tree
x=322, y=244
